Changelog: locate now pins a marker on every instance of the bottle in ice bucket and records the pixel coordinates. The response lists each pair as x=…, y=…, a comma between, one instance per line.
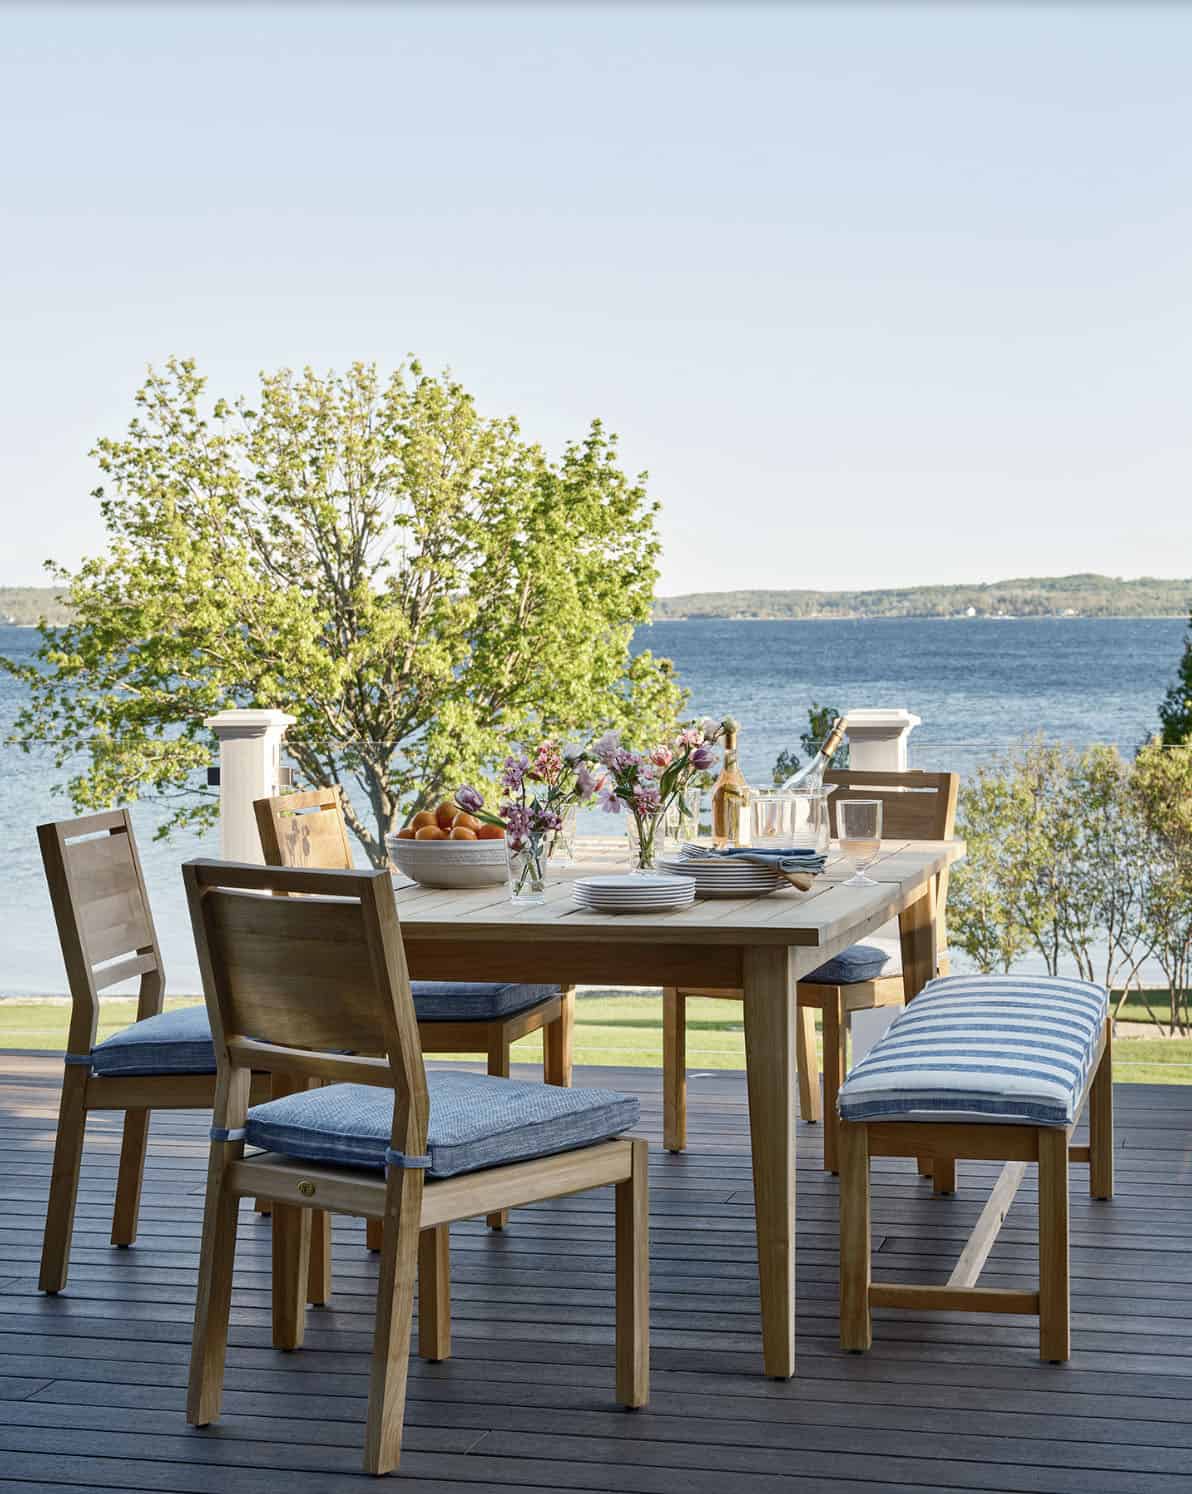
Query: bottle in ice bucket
x=810, y=777
x=730, y=796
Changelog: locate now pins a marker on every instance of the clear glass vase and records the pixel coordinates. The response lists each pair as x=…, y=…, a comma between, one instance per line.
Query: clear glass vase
x=644, y=832
x=527, y=869
x=560, y=850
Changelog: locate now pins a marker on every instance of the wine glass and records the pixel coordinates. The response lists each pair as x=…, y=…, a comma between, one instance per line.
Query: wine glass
x=859, y=826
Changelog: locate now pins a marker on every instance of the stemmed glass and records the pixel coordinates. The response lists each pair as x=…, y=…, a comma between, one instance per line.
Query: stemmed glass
x=859, y=826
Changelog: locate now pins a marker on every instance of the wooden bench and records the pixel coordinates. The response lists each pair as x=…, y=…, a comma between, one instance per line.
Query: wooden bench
x=993, y=1068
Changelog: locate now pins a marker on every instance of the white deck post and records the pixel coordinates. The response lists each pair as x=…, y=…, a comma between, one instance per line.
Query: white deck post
x=249, y=768
x=877, y=739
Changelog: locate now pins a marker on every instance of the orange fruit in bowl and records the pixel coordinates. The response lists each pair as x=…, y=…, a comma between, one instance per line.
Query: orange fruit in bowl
x=461, y=832
x=491, y=832
x=429, y=832
x=445, y=813
x=406, y=834
x=423, y=817
x=465, y=822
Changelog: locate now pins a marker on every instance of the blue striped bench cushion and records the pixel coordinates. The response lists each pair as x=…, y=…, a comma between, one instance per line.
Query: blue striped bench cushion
x=475, y=1121
x=983, y=1047
x=860, y=962
x=176, y=1042
x=474, y=1001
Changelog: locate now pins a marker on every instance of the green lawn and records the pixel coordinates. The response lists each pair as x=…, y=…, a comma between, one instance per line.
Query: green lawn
x=610, y=1029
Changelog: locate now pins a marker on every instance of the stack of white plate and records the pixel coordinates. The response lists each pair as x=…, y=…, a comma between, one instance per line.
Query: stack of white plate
x=636, y=892
x=727, y=876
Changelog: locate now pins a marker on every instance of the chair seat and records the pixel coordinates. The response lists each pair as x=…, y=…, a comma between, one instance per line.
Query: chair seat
x=860, y=962
x=474, y=1001
x=175, y=1042
x=476, y=1121
x=983, y=1047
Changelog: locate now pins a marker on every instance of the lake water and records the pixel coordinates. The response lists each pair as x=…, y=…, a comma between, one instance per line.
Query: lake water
x=979, y=685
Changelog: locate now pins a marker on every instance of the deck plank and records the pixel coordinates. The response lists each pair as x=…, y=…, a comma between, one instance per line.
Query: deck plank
x=91, y=1383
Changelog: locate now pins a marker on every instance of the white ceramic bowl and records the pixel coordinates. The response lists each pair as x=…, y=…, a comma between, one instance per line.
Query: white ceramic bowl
x=450, y=863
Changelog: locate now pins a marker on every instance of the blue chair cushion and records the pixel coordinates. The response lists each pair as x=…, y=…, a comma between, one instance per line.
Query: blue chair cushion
x=474, y=1001
x=983, y=1047
x=175, y=1042
x=475, y=1121
x=860, y=962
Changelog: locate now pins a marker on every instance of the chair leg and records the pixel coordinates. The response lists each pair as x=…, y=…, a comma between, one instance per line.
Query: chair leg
x=835, y=1041
x=64, y=1178
x=1054, y=1291
x=128, y=1178
x=318, y=1280
x=498, y=1066
x=391, y=1337
x=558, y=1039
x=811, y=1106
x=1101, y=1123
x=633, y=1282
x=943, y=1175
x=856, y=1327
x=434, y=1293
x=674, y=1069
x=213, y=1303
x=291, y=1274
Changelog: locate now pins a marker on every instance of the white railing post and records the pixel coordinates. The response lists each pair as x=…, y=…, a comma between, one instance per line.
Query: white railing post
x=249, y=768
x=877, y=739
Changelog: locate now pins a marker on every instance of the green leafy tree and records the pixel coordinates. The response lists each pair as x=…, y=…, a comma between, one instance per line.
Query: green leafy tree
x=1175, y=714
x=1161, y=786
x=416, y=583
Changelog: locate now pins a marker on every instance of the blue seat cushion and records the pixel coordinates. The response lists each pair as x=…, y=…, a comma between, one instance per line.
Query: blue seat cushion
x=474, y=1001
x=475, y=1121
x=983, y=1047
x=176, y=1042
x=860, y=962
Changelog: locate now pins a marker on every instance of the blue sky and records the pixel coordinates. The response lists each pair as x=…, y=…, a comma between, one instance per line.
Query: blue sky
x=879, y=294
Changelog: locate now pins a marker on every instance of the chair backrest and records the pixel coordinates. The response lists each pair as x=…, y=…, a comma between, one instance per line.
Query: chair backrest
x=101, y=908
x=304, y=973
x=304, y=829
x=915, y=806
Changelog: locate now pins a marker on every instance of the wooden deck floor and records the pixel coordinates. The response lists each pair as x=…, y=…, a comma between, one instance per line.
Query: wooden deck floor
x=91, y=1383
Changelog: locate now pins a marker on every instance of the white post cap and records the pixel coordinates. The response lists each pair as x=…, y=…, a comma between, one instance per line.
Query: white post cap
x=877, y=738
x=248, y=722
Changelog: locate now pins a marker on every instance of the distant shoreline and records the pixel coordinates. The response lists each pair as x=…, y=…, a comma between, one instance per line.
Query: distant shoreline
x=1057, y=617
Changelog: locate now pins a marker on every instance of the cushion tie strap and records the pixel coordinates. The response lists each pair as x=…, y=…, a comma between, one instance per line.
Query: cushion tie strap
x=222, y=1133
x=399, y=1159
x=77, y=1058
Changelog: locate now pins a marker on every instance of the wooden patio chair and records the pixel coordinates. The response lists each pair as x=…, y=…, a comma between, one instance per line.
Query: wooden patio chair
x=309, y=979
x=163, y=1061
x=915, y=806
x=486, y=1017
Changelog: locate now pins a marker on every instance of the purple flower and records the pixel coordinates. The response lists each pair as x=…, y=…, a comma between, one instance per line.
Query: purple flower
x=702, y=757
x=517, y=825
x=608, y=799
x=608, y=748
x=587, y=782
x=546, y=819
x=513, y=772
x=647, y=799
x=469, y=800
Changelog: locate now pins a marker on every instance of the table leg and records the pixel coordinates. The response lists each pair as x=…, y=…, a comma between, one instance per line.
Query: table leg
x=771, y=1073
x=916, y=928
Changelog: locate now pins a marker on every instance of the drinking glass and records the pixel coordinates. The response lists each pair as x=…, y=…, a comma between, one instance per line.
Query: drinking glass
x=859, y=828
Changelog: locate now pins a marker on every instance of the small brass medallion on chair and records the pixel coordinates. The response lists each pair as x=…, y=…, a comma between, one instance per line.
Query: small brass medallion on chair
x=307, y=1189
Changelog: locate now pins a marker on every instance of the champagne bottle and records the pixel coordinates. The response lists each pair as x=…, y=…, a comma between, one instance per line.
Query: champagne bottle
x=730, y=795
x=810, y=777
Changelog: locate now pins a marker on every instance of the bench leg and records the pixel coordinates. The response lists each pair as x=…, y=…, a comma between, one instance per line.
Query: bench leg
x=557, y=1040
x=1054, y=1314
x=674, y=1069
x=856, y=1329
x=1101, y=1123
x=943, y=1175
x=434, y=1293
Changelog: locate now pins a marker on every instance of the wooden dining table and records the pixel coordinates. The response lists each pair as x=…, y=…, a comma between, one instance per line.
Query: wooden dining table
x=761, y=946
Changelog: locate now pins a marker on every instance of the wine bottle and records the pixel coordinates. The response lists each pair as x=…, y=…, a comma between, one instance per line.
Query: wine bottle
x=810, y=777
x=730, y=795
